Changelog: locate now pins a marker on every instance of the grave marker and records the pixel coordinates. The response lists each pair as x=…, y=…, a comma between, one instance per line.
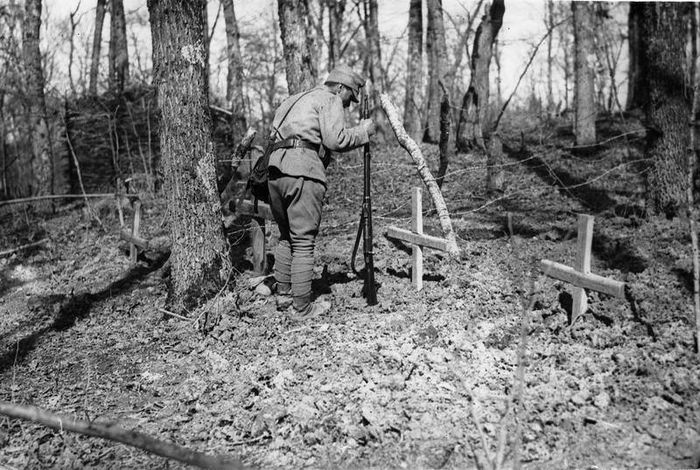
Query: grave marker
x=416, y=238
x=580, y=275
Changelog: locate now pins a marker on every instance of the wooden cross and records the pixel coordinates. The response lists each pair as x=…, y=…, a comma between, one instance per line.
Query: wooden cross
x=258, y=228
x=580, y=275
x=417, y=238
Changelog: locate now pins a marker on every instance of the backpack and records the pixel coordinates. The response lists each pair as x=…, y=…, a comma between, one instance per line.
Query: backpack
x=259, y=175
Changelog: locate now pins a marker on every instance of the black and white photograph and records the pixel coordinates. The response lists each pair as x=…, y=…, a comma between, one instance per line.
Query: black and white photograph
x=349, y=234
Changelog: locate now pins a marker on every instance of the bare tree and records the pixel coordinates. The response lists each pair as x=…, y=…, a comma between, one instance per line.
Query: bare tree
x=299, y=58
x=198, y=244
x=436, y=49
x=473, y=118
x=118, y=51
x=549, y=21
x=636, y=92
x=234, y=80
x=373, y=64
x=96, y=46
x=336, y=12
x=662, y=39
x=414, y=68
x=584, y=91
x=40, y=160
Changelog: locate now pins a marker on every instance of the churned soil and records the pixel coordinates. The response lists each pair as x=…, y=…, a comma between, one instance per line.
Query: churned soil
x=483, y=363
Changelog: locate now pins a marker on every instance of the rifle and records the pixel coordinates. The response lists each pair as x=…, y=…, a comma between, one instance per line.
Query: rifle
x=364, y=231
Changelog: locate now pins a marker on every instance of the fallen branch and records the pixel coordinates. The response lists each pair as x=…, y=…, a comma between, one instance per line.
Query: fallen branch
x=58, y=196
x=428, y=179
x=113, y=432
x=20, y=248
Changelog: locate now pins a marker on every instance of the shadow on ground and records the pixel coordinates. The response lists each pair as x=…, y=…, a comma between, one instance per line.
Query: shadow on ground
x=70, y=308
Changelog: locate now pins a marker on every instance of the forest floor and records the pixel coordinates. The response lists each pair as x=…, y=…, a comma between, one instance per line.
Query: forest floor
x=421, y=380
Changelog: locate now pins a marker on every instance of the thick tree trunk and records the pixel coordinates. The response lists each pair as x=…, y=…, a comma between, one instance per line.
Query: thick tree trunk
x=96, y=46
x=584, y=59
x=436, y=49
x=414, y=74
x=668, y=106
x=299, y=58
x=118, y=52
x=40, y=160
x=636, y=88
x=199, y=247
x=234, y=80
x=336, y=11
x=473, y=117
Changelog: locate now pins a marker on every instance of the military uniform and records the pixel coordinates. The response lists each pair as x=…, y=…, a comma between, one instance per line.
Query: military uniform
x=298, y=181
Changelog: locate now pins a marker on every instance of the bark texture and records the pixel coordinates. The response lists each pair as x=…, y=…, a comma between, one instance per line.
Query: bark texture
x=636, y=89
x=414, y=71
x=96, y=46
x=473, y=117
x=199, y=248
x=584, y=67
x=374, y=66
x=436, y=49
x=336, y=12
x=39, y=164
x=118, y=52
x=234, y=80
x=299, y=57
x=668, y=106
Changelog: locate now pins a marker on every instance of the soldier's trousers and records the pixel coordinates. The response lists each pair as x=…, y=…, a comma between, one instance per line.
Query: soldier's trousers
x=296, y=204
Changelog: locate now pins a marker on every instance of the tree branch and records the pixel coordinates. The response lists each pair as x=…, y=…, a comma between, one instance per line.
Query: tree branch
x=113, y=432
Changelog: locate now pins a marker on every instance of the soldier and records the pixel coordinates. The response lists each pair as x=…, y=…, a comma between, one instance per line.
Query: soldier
x=305, y=125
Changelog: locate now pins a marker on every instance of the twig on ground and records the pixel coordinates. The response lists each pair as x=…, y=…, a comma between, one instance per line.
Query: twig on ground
x=168, y=312
x=113, y=432
x=22, y=247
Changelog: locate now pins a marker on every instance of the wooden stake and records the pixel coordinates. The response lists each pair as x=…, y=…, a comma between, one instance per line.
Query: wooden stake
x=113, y=432
x=133, y=251
x=417, y=227
x=584, y=242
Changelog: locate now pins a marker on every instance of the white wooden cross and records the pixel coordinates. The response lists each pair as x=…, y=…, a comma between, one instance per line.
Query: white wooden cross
x=417, y=238
x=258, y=228
x=580, y=275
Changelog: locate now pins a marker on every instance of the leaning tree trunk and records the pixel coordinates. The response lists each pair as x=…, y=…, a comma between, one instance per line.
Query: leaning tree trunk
x=414, y=67
x=39, y=162
x=473, y=117
x=234, y=80
x=668, y=106
x=118, y=52
x=299, y=58
x=436, y=49
x=198, y=244
x=584, y=90
x=96, y=46
x=636, y=91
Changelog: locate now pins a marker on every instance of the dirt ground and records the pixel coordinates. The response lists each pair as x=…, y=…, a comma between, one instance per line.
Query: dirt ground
x=421, y=380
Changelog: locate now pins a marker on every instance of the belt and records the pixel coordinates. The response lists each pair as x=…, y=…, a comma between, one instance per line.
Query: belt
x=292, y=143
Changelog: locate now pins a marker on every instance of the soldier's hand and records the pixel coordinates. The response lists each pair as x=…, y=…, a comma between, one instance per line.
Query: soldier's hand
x=369, y=126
